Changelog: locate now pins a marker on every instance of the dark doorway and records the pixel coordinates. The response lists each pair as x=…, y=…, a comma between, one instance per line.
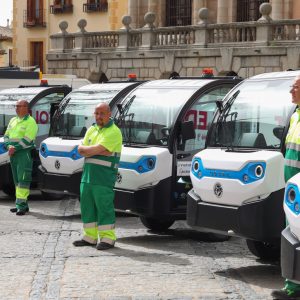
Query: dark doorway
x=36, y=55
x=179, y=12
x=248, y=10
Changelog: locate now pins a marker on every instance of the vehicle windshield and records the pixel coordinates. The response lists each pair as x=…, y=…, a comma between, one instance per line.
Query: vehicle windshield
x=77, y=115
x=148, y=115
x=7, y=108
x=254, y=115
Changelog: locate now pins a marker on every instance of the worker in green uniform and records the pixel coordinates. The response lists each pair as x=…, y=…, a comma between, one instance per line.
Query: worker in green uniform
x=101, y=148
x=19, y=141
x=291, y=289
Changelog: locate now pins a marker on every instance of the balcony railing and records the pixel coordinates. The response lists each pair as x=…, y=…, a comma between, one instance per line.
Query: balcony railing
x=34, y=18
x=94, y=7
x=61, y=8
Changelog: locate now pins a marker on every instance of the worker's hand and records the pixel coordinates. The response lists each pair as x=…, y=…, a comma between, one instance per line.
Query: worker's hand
x=11, y=150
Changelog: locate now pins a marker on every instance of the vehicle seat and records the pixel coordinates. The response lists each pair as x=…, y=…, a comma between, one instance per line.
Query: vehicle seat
x=252, y=139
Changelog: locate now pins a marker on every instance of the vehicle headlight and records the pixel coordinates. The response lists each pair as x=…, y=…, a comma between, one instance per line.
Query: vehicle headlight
x=43, y=150
x=259, y=171
x=196, y=166
x=291, y=195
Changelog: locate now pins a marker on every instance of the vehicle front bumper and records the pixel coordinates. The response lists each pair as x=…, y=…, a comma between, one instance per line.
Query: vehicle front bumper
x=59, y=183
x=290, y=255
x=262, y=220
x=153, y=202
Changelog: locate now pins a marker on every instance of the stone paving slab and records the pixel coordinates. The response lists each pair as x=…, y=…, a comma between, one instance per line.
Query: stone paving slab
x=38, y=260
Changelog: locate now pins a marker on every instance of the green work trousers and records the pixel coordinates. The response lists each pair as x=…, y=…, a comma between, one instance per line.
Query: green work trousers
x=97, y=213
x=21, y=166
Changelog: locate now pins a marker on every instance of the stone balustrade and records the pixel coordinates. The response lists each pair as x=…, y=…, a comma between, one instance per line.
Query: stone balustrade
x=248, y=48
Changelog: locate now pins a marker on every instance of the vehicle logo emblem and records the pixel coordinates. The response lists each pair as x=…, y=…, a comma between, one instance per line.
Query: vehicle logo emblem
x=119, y=178
x=57, y=164
x=218, y=190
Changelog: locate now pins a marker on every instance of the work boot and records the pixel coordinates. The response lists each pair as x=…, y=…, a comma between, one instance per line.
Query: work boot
x=285, y=294
x=22, y=212
x=14, y=210
x=104, y=246
x=82, y=243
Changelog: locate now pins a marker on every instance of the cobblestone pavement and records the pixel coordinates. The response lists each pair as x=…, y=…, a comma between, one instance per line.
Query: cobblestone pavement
x=38, y=260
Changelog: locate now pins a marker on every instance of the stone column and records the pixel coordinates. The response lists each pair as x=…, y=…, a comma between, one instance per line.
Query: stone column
x=277, y=9
x=153, y=7
x=222, y=14
x=288, y=9
x=232, y=11
x=133, y=12
x=161, y=18
x=197, y=4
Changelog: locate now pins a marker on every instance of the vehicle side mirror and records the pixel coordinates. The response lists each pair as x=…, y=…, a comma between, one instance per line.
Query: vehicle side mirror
x=278, y=132
x=187, y=130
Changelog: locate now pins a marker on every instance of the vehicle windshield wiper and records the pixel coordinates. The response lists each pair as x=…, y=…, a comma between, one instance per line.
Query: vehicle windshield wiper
x=222, y=120
x=123, y=117
x=59, y=112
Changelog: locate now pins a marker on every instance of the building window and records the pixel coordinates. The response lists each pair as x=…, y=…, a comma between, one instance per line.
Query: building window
x=178, y=12
x=61, y=6
x=95, y=5
x=37, y=55
x=248, y=10
x=34, y=15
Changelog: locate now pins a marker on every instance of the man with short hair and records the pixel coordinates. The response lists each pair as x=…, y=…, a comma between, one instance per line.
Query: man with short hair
x=291, y=289
x=101, y=148
x=19, y=141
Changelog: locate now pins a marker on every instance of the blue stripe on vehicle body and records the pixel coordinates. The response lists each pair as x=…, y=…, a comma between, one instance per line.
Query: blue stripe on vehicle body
x=71, y=154
x=143, y=165
x=294, y=205
x=2, y=148
x=246, y=175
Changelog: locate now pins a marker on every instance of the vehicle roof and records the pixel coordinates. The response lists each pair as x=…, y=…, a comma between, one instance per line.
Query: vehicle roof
x=105, y=86
x=23, y=91
x=274, y=75
x=177, y=83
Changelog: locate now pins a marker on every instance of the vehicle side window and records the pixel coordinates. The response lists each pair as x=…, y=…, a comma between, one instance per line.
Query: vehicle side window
x=201, y=113
x=43, y=112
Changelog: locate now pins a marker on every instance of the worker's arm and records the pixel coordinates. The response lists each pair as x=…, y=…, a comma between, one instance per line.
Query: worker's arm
x=88, y=151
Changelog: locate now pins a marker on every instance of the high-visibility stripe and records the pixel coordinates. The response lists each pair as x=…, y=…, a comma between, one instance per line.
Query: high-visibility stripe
x=89, y=240
x=23, y=185
x=293, y=146
x=116, y=154
x=108, y=241
x=98, y=162
x=27, y=139
x=292, y=163
x=14, y=140
x=20, y=201
x=23, y=145
x=90, y=225
x=106, y=227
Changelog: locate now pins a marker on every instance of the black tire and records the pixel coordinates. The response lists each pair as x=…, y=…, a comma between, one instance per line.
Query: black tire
x=264, y=250
x=156, y=224
x=215, y=237
x=9, y=189
x=52, y=196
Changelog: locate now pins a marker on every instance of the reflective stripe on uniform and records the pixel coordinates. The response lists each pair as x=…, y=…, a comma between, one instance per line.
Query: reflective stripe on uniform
x=106, y=227
x=98, y=162
x=108, y=241
x=292, y=163
x=90, y=225
x=293, y=146
x=27, y=139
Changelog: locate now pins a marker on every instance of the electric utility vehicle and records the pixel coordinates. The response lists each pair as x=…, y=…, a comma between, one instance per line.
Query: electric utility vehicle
x=164, y=123
x=61, y=165
x=290, y=237
x=43, y=102
x=238, y=181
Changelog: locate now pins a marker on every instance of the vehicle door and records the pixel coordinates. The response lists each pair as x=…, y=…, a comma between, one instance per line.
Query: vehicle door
x=200, y=113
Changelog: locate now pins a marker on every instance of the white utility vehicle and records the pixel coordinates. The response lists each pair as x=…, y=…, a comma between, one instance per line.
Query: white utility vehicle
x=61, y=165
x=43, y=102
x=238, y=182
x=290, y=237
x=164, y=123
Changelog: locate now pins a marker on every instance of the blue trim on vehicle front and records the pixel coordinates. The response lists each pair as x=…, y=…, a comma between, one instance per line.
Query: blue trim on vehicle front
x=2, y=148
x=246, y=175
x=72, y=154
x=294, y=205
x=143, y=165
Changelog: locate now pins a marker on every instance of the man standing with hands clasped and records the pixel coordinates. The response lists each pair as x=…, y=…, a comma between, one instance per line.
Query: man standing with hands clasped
x=19, y=141
x=101, y=148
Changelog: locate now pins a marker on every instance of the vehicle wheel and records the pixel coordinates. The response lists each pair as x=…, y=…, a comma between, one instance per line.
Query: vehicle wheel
x=156, y=224
x=264, y=250
x=215, y=237
x=9, y=189
x=52, y=196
